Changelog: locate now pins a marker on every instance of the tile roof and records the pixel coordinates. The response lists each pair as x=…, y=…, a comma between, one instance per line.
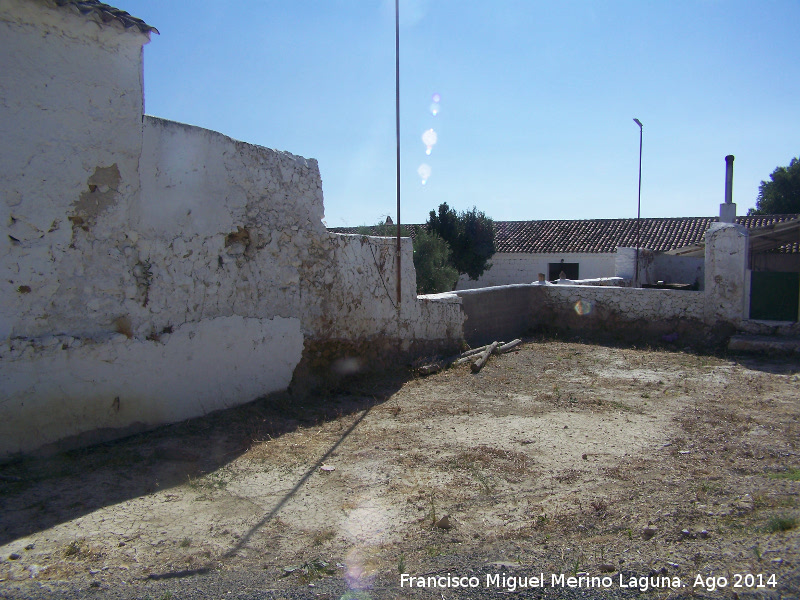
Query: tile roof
x=606, y=235
x=105, y=14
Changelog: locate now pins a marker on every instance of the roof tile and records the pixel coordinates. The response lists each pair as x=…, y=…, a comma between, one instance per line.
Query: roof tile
x=106, y=13
x=606, y=235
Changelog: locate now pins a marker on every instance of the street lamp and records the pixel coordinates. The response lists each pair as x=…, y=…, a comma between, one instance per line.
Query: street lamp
x=638, y=206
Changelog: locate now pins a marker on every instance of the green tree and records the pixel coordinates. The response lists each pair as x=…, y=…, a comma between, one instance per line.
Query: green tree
x=432, y=255
x=469, y=234
x=781, y=195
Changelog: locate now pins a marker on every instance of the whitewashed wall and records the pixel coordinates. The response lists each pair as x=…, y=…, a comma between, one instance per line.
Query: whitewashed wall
x=70, y=125
x=154, y=271
x=727, y=247
x=519, y=267
x=627, y=304
x=201, y=294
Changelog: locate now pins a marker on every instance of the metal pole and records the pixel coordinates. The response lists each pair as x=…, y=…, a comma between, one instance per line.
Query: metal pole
x=638, y=207
x=729, y=179
x=397, y=122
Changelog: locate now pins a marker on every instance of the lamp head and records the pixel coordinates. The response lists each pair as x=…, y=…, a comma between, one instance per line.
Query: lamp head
x=638, y=122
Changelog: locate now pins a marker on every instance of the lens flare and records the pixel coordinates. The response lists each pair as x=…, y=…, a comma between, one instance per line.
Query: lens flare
x=436, y=98
x=434, y=109
x=583, y=307
x=429, y=138
x=366, y=528
x=424, y=172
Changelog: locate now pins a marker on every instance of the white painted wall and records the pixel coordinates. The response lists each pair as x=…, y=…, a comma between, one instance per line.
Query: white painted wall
x=71, y=104
x=520, y=267
x=629, y=304
x=726, y=255
x=188, y=280
x=58, y=387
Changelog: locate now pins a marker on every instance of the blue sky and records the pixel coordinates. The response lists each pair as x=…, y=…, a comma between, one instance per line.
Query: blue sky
x=537, y=99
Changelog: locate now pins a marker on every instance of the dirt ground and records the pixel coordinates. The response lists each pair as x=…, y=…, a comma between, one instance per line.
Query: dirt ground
x=559, y=457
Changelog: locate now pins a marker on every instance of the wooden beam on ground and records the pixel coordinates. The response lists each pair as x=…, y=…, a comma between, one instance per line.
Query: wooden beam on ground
x=509, y=346
x=478, y=364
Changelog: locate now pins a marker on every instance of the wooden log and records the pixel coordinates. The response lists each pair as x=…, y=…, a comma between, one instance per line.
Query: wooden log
x=509, y=346
x=430, y=369
x=478, y=364
x=462, y=360
x=474, y=351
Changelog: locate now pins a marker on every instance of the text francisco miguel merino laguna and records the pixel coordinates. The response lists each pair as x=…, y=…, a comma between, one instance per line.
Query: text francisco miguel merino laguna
x=511, y=583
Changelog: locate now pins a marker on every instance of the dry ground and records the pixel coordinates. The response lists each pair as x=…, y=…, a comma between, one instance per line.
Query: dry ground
x=559, y=458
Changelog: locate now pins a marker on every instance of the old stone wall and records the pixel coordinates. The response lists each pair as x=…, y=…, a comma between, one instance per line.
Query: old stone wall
x=633, y=314
x=504, y=312
x=204, y=285
x=69, y=155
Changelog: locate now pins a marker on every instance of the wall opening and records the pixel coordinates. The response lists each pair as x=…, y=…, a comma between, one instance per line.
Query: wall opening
x=570, y=270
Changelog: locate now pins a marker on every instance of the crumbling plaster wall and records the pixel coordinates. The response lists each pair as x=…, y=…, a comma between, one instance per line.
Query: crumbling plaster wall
x=203, y=291
x=726, y=258
x=69, y=152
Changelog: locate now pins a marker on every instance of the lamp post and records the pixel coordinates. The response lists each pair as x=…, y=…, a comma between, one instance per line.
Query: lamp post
x=638, y=207
x=397, y=128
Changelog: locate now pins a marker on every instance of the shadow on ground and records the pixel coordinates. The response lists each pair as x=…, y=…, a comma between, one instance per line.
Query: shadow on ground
x=37, y=493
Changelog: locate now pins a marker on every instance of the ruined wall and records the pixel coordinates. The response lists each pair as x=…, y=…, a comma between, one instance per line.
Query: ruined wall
x=203, y=290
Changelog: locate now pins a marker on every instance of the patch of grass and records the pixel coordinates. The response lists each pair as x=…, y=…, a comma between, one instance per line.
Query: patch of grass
x=72, y=549
x=790, y=474
x=433, y=551
x=568, y=476
x=483, y=480
x=624, y=407
x=185, y=542
x=213, y=481
x=320, y=537
x=356, y=595
x=495, y=459
x=780, y=523
x=79, y=549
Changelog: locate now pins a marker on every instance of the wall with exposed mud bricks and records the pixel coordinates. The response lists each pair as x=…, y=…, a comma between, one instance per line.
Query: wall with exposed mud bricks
x=505, y=312
x=203, y=283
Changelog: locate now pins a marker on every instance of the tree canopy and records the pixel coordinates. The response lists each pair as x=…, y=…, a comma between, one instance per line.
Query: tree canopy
x=432, y=256
x=470, y=235
x=780, y=195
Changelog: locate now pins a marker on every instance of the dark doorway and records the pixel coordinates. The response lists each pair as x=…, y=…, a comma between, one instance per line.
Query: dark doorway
x=774, y=296
x=554, y=270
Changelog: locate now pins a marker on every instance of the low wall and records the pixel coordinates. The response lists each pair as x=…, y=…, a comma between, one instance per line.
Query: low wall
x=497, y=313
x=631, y=314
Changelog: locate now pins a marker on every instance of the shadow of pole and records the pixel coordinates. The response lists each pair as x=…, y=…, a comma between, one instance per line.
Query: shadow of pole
x=289, y=495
